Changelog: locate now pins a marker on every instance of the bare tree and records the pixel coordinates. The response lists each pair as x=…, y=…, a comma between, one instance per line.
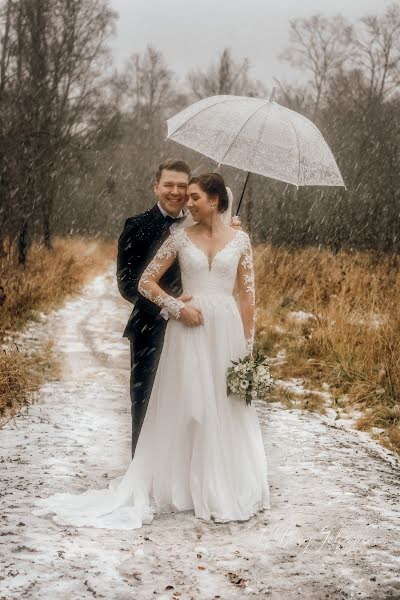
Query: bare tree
x=320, y=46
x=50, y=82
x=5, y=23
x=377, y=52
x=226, y=76
x=149, y=99
x=149, y=82
x=119, y=165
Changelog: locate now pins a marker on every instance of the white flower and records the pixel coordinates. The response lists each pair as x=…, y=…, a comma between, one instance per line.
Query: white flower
x=244, y=384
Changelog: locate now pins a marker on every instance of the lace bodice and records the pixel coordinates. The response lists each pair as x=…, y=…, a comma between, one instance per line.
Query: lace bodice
x=233, y=262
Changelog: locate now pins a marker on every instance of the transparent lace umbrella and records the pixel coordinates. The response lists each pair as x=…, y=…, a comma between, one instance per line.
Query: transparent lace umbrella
x=258, y=136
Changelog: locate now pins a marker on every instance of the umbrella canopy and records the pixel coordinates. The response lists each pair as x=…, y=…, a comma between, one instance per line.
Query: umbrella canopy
x=259, y=136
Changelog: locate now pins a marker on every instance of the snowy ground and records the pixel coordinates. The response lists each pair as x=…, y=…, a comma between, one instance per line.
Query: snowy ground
x=333, y=530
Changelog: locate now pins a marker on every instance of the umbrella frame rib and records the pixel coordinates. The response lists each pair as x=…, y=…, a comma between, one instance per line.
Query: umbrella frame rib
x=241, y=129
x=298, y=152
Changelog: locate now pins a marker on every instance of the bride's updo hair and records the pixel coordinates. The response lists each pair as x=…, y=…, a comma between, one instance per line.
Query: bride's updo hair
x=213, y=184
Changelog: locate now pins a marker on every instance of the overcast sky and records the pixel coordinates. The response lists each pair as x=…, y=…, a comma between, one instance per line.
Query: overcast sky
x=192, y=33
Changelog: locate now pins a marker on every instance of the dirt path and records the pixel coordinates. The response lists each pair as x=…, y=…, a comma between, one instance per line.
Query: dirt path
x=333, y=530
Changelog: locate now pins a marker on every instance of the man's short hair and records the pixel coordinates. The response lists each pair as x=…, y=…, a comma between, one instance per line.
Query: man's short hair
x=173, y=164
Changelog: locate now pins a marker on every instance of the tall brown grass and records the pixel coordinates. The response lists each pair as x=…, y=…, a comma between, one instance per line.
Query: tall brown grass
x=41, y=285
x=48, y=277
x=352, y=342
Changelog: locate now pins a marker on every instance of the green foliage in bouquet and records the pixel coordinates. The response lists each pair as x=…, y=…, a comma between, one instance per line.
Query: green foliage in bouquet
x=249, y=378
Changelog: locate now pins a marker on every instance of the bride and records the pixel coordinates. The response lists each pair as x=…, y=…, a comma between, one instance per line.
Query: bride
x=198, y=449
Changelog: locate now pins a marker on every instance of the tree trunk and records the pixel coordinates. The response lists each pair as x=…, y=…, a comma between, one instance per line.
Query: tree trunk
x=23, y=244
x=46, y=218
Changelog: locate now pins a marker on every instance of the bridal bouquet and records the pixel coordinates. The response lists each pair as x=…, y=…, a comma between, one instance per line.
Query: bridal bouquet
x=249, y=378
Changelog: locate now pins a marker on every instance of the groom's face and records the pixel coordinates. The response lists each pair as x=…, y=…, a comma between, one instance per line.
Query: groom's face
x=171, y=191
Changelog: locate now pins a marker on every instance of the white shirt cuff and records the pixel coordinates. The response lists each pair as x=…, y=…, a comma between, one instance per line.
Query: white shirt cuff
x=164, y=313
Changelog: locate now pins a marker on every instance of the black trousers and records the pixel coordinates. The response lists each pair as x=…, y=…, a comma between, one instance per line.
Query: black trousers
x=146, y=345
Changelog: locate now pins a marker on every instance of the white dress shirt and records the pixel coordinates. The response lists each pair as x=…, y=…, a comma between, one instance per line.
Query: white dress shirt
x=165, y=214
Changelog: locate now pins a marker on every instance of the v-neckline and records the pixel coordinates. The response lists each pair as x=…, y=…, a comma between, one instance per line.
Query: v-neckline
x=210, y=263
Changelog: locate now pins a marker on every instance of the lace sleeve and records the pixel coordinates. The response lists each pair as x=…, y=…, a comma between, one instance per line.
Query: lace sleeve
x=148, y=283
x=246, y=290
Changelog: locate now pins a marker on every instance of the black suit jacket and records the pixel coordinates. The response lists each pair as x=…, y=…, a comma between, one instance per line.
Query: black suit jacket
x=139, y=241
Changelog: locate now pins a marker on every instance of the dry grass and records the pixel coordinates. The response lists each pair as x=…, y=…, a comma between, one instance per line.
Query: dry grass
x=353, y=341
x=21, y=374
x=48, y=277
x=42, y=285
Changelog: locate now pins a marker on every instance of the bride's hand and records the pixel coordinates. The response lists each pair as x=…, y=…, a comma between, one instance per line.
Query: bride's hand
x=191, y=316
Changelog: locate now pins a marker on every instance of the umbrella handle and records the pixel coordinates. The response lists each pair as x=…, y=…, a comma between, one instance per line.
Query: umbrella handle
x=271, y=99
x=242, y=195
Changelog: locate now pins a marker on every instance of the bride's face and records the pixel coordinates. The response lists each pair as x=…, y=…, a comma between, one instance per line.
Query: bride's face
x=200, y=204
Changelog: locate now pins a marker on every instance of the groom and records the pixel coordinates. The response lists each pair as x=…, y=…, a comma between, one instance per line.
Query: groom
x=139, y=241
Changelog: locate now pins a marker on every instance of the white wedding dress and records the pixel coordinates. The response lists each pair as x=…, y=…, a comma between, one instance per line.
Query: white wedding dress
x=198, y=449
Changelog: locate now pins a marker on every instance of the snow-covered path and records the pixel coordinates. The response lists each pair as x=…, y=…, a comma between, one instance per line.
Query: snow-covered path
x=333, y=530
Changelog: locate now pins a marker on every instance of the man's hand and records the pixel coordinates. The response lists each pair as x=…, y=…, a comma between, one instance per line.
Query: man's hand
x=184, y=298
x=236, y=223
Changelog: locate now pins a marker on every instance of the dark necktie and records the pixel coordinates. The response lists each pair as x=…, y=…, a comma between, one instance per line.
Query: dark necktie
x=166, y=226
x=170, y=220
